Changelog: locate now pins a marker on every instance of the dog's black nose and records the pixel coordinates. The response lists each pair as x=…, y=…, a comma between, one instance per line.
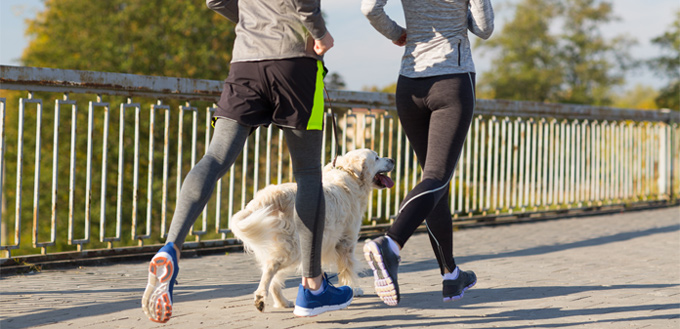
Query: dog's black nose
x=390, y=161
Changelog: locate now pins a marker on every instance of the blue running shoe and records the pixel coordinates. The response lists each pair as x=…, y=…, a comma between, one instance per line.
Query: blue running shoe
x=157, y=298
x=330, y=299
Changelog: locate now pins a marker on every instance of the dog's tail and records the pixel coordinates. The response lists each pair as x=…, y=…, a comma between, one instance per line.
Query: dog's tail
x=259, y=229
x=249, y=224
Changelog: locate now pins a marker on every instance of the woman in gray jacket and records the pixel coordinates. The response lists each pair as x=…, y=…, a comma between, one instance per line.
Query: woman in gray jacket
x=435, y=102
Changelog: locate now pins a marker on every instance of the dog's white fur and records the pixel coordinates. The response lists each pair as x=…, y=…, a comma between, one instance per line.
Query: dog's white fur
x=268, y=230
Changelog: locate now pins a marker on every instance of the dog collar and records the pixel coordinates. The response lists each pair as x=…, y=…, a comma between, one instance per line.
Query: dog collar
x=352, y=173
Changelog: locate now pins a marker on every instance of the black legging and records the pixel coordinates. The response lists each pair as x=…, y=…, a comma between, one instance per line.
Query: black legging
x=435, y=113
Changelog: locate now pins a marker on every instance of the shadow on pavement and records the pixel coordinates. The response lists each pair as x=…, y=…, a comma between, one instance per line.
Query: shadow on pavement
x=186, y=293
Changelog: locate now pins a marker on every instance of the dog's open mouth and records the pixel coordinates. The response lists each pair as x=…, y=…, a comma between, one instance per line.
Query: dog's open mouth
x=383, y=181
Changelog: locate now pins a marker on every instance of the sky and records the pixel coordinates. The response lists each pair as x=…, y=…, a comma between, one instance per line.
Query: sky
x=365, y=58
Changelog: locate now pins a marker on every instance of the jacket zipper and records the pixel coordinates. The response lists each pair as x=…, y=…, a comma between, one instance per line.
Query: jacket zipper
x=458, y=53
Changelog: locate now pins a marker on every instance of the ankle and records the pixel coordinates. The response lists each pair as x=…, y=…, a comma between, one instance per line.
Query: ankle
x=177, y=251
x=315, y=283
x=452, y=275
x=317, y=292
x=394, y=246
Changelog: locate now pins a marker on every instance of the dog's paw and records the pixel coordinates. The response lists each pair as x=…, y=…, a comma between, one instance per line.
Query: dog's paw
x=283, y=304
x=259, y=303
x=358, y=292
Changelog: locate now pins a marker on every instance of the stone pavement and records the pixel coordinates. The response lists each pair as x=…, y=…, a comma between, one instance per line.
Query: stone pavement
x=612, y=271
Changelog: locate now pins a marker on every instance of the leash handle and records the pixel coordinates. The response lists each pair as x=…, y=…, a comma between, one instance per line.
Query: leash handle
x=335, y=126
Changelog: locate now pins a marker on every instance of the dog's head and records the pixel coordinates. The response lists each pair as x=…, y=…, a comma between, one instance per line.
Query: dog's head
x=367, y=167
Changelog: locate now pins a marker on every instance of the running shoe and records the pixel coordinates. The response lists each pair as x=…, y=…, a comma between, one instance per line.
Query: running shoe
x=331, y=299
x=455, y=289
x=384, y=264
x=157, y=298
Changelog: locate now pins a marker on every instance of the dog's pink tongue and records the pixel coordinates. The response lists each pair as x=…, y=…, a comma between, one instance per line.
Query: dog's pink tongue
x=385, y=180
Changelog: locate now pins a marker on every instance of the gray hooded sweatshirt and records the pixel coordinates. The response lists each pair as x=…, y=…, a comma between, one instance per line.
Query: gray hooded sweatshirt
x=277, y=29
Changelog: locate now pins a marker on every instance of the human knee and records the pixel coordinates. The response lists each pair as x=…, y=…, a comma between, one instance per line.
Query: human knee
x=435, y=182
x=307, y=170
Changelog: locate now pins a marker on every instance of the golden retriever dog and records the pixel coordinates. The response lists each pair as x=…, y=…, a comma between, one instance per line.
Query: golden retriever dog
x=268, y=230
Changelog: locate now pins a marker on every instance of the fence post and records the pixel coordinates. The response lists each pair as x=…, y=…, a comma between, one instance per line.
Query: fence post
x=672, y=155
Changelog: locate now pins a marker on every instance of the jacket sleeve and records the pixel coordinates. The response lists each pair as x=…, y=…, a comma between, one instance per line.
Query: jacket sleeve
x=480, y=18
x=375, y=12
x=310, y=14
x=226, y=8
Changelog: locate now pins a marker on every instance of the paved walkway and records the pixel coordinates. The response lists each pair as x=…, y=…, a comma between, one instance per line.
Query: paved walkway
x=614, y=271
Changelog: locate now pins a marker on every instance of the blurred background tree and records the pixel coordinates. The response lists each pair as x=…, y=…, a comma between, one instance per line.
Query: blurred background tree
x=638, y=97
x=524, y=65
x=152, y=37
x=591, y=64
x=553, y=51
x=335, y=81
x=391, y=88
x=667, y=65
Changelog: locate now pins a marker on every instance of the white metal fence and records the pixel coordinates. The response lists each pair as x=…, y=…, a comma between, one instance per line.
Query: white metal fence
x=94, y=160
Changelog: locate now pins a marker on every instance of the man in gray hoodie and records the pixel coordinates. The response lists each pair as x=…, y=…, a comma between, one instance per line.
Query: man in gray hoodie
x=276, y=76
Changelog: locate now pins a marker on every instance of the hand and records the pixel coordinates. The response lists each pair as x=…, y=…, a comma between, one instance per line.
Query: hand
x=401, y=41
x=322, y=45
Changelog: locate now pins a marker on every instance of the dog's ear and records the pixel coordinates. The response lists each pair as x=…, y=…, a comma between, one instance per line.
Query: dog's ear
x=358, y=165
x=364, y=169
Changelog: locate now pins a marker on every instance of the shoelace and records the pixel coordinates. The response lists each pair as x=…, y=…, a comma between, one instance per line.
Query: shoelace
x=328, y=279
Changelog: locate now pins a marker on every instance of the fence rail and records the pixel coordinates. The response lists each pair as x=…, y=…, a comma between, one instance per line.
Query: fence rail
x=104, y=164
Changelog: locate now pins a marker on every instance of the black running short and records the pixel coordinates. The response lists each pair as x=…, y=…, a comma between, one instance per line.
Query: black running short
x=285, y=92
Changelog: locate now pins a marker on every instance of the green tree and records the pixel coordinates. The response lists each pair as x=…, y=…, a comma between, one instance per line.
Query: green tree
x=335, y=81
x=153, y=37
x=667, y=65
x=391, y=88
x=591, y=64
x=638, y=97
x=575, y=64
x=524, y=66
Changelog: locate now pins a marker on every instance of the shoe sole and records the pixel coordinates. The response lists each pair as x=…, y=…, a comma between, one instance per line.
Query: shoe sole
x=383, y=283
x=454, y=298
x=306, y=312
x=156, y=301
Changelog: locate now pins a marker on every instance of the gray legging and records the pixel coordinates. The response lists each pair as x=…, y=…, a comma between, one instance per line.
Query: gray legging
x=226, y=145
